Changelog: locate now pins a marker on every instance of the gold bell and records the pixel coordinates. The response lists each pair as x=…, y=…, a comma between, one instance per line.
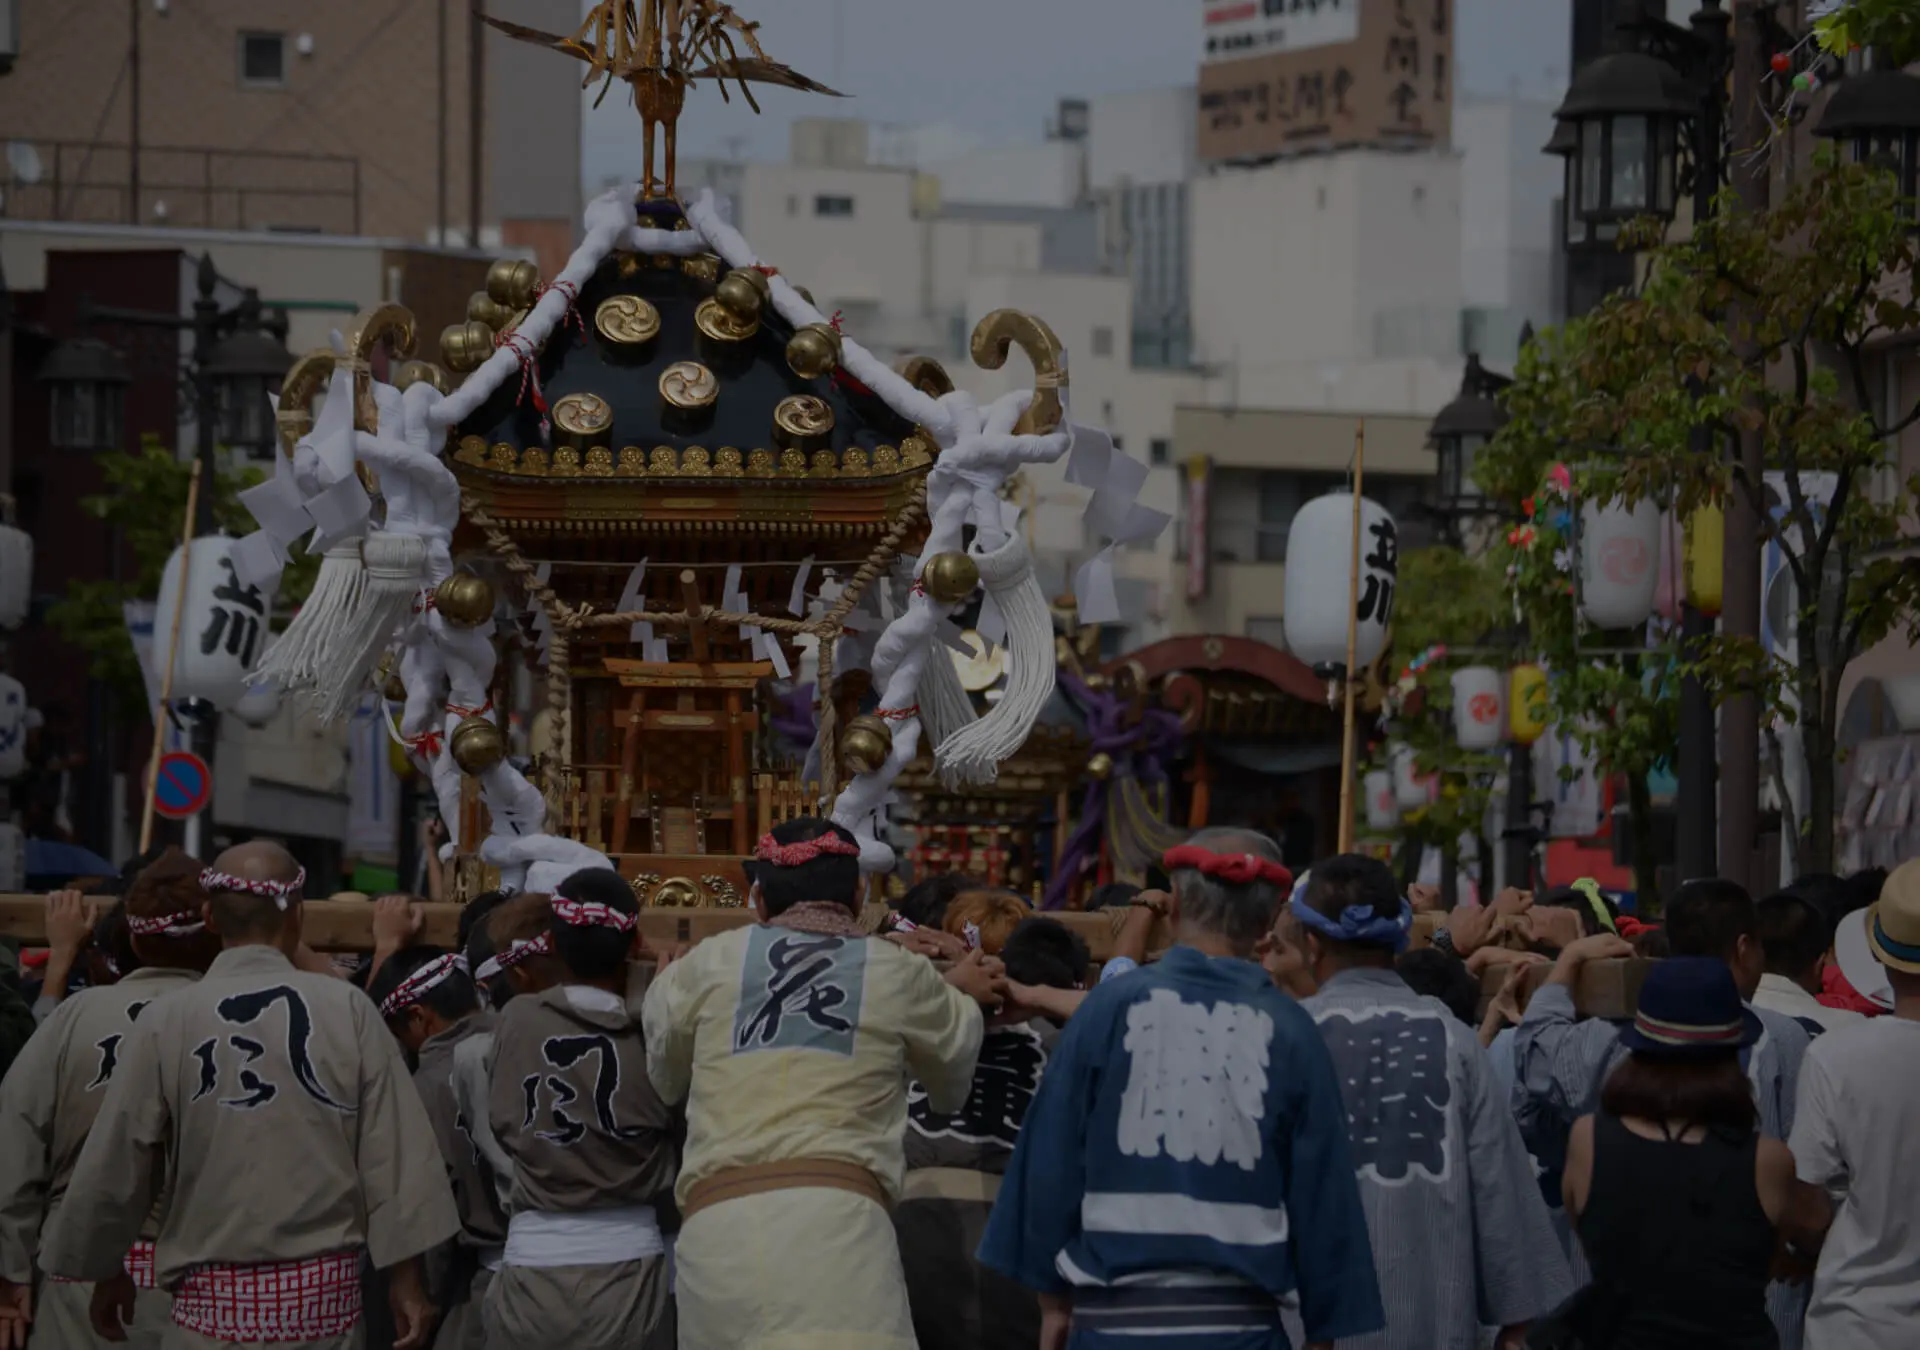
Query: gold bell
x=813, y=351
x=865, y=744
x=466, y=346
x=483, y=308
x=409, y=373
x=950, y=577
x=464, y=600
x=743, y=293
x=512, y=282
x=1100, y=766
x=477, y=745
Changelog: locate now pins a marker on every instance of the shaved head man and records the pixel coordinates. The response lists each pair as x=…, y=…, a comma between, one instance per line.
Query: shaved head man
x=271, y=1104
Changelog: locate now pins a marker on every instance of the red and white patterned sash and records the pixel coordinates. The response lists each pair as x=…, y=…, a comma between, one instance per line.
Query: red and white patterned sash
x=139, y=1264
x=309, y=1300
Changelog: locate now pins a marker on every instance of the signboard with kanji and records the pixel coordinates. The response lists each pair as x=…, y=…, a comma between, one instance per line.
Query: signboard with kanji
x=1389, y=82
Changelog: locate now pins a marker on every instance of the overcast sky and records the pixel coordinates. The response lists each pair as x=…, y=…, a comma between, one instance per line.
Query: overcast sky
x=996, y=68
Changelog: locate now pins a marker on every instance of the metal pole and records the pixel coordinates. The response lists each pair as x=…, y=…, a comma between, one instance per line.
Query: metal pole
x=476, y=121
x=206, y=401
x=1695, y=761
x=133, y=111
x=440, y=148
x=1350, y=677
x=1740, y=616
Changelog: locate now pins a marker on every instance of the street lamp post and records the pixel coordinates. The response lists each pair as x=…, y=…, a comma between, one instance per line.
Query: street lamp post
x=1460, y=431
x=238, y=355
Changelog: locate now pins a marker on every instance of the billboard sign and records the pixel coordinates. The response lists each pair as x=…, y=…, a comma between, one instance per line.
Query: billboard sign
x=1234, y=29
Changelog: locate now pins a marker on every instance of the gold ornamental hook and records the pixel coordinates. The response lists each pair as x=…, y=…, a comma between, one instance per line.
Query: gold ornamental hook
x=306, y=379
x=998, y=334
x=389, y=323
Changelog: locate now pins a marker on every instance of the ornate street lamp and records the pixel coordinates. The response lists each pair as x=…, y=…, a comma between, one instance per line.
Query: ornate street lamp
x=1460, y=431
x=243, y=366
x=1619, y=129
x=1875, y=116
x=87, y=389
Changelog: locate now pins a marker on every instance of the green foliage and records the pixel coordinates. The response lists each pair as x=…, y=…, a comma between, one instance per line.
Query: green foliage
x=1448, y=600
x=1745, y=348
x=1890, y=27
x=146, y=501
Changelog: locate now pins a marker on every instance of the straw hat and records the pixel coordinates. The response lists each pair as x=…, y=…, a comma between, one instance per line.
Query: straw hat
x=1893, y=924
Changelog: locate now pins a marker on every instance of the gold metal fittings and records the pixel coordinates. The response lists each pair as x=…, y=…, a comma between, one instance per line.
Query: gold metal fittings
x=627, y=320
x=711, y=318
x=999, y=333
x=813, y=351
x=802, y=417
x=689, y=385
x=584, y=415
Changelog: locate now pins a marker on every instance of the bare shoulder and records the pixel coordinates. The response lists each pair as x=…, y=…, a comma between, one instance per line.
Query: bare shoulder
x=1774, y=1159
x=1581, y=1136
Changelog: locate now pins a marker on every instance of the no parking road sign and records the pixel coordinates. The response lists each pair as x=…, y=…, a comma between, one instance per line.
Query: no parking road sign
x=183, y=787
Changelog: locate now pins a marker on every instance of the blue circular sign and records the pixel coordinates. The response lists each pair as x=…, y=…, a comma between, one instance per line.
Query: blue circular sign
x=183, y=787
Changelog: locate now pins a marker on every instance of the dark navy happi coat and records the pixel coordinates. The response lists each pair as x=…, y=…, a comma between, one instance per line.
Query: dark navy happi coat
x=1190, y=1124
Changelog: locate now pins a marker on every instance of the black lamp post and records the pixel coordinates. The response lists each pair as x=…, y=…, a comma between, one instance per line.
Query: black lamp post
x=87, y=387
x=1875, y=116
x=239, y=354
x=1460, y=431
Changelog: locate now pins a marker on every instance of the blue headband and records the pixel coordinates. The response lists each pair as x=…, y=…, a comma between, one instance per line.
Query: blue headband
x=1358, y=923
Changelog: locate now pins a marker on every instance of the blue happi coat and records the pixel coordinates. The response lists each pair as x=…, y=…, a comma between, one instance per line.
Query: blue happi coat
x=1190, y=1129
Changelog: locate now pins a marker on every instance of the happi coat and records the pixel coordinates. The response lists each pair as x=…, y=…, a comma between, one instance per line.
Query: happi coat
x=790, y=1046
x=594, y=1155
x=1184, y=1169
x=458, y=1272
x=1562, y=1062
x=277, y=1111
x=47, y=1105
x=1461, y=1238
x=954, y=1163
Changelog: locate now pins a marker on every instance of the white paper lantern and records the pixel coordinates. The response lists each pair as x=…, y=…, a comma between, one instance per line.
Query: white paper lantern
x=260, y=704
x=1383, y=811
x=1319, y=580
x=1619, y=563
x=16, y=575
x=13, y=728
x=1410, y=790
x=1479, y=707
x=223, y=628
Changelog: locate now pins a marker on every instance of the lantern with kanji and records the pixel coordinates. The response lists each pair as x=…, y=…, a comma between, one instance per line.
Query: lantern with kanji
x=1410, y=790
x=1479, y=709
x=1619, y=563
x=222, y=623
x=1319, y=591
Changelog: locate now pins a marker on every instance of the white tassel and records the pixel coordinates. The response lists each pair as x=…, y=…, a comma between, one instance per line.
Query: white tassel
x=396, y=568
x=295, y=660
x=946, y=709
x=973, y=755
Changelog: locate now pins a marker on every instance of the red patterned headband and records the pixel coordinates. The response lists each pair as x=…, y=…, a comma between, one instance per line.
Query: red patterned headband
x=415, y=987
x=520, y=949
x=792, y=855
x=164, y=925
x=592, y=914
x=1236, y=869
x=276, y=891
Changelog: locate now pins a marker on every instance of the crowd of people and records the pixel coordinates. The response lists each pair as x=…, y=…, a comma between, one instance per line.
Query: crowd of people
x=944, y=1125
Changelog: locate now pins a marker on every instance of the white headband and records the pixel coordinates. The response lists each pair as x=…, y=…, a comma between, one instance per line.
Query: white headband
x=416, y=986
x=276, y=891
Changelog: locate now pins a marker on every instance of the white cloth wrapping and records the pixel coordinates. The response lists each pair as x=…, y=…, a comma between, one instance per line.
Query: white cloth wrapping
x=593, y=1237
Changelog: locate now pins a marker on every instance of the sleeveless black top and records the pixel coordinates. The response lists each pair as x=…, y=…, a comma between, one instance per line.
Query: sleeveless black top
x=1678, y=1231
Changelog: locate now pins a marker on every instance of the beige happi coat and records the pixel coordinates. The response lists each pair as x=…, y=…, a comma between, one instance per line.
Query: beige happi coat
x=278, y=1112
x=786, y=1046
x=47, y=1105
x=457, y=1271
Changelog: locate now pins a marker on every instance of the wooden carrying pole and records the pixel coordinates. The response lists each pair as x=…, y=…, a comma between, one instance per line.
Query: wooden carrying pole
x=1353, y=639
x=173, y=644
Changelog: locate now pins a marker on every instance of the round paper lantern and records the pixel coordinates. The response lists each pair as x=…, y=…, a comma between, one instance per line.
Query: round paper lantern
x=1527, y=704
x=1383, y=809
x=1706, y=558
x=1479, y=712
x=1410, y=790
x=223, y=627
x=1319, y=581
x=1619, y=563
x=16, y=575
x=13, y=728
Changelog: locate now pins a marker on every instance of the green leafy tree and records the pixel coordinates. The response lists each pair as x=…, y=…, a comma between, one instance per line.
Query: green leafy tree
x=1890, y=27
x=146, y=502
x=1448, y=611
x=1762, y=326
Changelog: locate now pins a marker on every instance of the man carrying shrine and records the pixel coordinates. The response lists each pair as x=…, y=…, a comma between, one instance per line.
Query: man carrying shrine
x=1184, y=1169
x=1461, y=1236
x=273, y=1108
x=792, y=1043
x=54, y=1092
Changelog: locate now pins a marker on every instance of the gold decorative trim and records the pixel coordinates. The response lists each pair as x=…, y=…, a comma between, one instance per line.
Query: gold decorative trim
x=726, y=462
x=600, y=462
x=586, y=415
x=664, y=461
x=702, y=267
x=714, y=321
x=694, y=462
x=472, y=454
x=801, y=418
x=627, y=320
x=633, y=461
x=688, y=385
